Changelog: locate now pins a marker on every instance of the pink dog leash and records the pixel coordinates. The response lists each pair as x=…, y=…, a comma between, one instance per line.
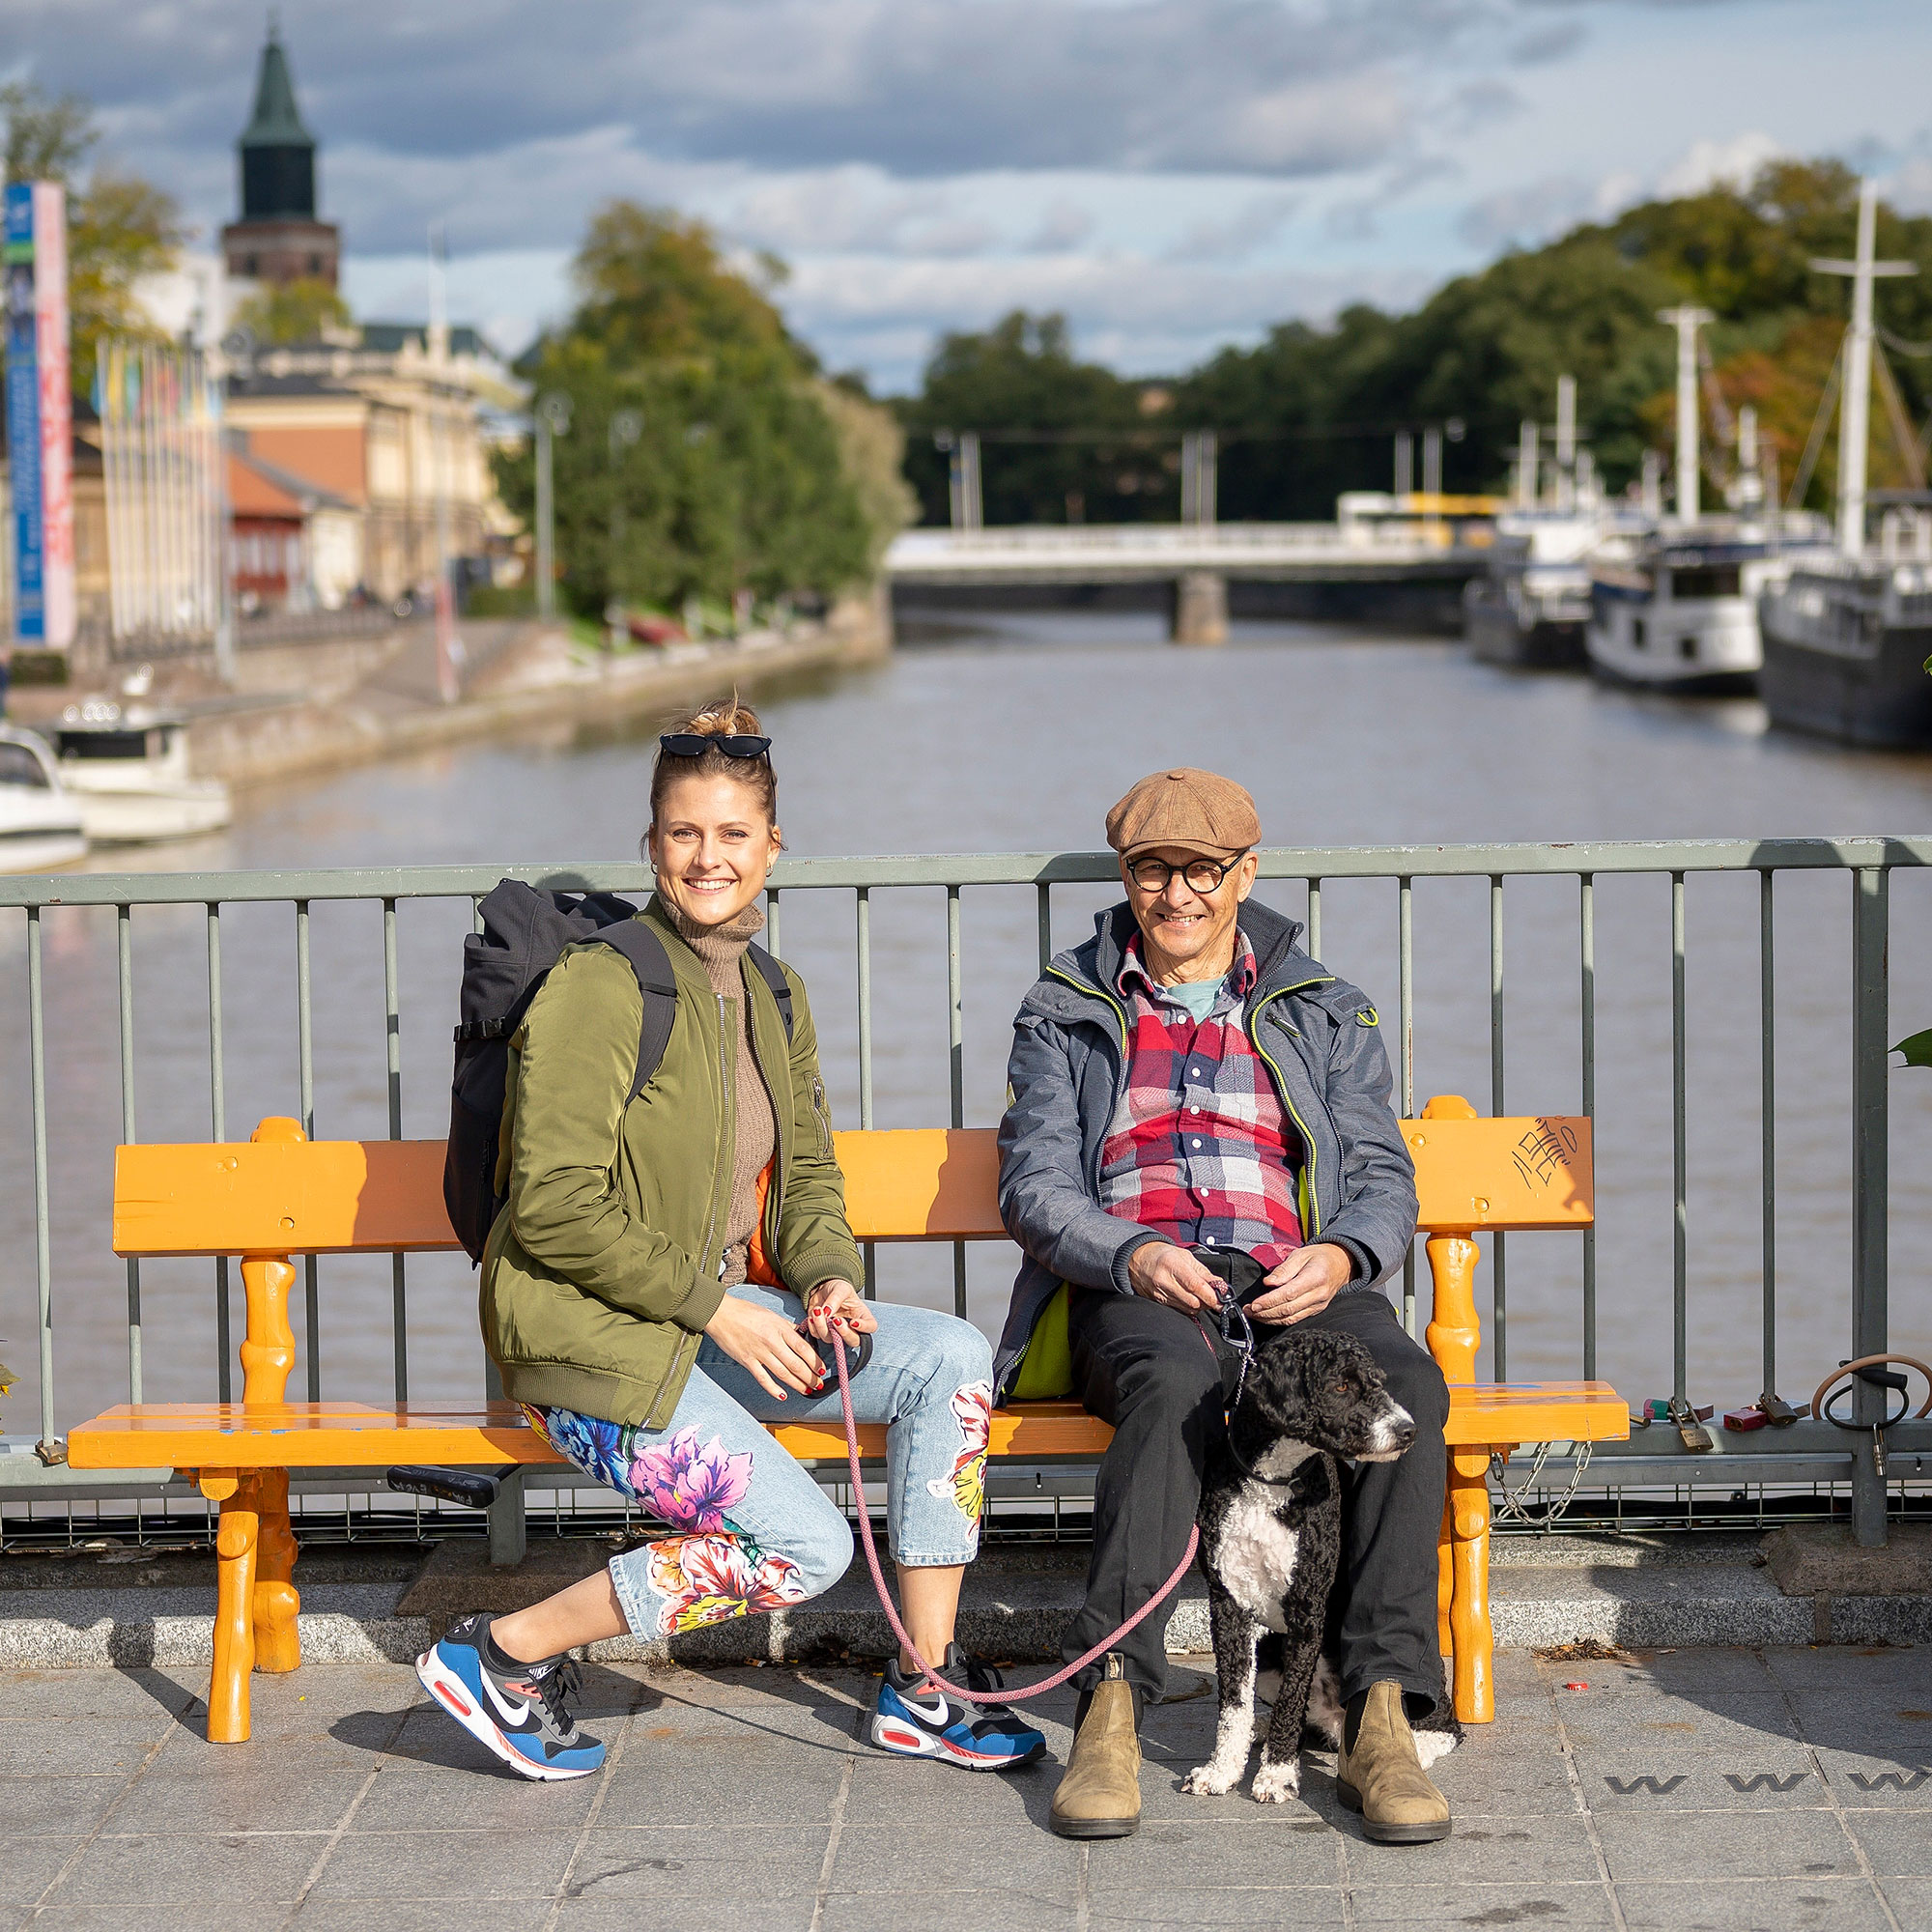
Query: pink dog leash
x=884, y=1595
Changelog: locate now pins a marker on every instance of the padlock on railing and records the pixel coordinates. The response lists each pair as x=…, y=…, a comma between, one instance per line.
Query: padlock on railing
x=1691, y=1430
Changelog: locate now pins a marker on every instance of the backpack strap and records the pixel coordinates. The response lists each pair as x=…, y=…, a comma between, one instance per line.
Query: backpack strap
x=656, y=981
x=776, y=978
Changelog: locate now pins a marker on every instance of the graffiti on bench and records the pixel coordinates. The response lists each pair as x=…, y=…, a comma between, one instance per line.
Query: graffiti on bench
x=1545, y=1152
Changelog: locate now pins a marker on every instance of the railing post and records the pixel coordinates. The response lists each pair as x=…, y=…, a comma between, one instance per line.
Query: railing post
x=1870, y=1152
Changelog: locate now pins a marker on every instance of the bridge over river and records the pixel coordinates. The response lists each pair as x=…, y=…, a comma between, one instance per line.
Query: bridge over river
x=1373, y=544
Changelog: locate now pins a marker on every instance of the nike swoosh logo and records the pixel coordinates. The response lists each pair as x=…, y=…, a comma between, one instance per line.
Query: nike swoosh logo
x=512, y=1714
x=936, y=1715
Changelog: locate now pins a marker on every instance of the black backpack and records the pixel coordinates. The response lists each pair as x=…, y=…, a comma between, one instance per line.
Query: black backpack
x=523, y=932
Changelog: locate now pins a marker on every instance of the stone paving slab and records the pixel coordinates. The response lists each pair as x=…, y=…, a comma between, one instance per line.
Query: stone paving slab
x=1712, y=1790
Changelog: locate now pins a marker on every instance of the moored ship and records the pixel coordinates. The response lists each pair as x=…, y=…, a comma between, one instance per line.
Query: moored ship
x=39, y=819
x=1846, y=640
x=1677, y=611
x=1530, y=608
x=128, y=773
x=1846, y=637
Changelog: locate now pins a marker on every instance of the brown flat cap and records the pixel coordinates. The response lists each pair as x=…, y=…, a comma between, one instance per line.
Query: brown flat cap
x=1199, y=812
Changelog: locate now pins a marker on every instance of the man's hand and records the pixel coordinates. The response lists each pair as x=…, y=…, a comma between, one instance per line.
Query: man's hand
x=839, y=1301
x=1303, y=1285
x=1160, y=1271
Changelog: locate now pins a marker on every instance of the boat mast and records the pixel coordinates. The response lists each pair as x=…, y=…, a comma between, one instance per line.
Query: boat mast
x=1687, y=319
x=1854, y=411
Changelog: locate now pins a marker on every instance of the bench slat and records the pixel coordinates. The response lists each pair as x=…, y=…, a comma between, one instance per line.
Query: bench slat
x=354, y=1434
x=902, y=1184
x=1525, y=1173
x=280, y=1197
x=921, y=1183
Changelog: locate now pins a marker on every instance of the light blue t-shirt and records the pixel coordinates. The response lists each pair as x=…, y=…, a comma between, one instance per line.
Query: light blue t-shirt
x=1198, y=996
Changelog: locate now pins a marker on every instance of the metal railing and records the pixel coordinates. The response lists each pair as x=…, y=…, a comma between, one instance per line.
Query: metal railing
x=1538, y=1037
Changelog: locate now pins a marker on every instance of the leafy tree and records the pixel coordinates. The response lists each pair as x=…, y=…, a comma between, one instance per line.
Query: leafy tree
x=872, y=449
x=120, y=227
x=1311, y=411
x=739, y=477
x=298, y=311
x=1061, y=441
x=652, y=286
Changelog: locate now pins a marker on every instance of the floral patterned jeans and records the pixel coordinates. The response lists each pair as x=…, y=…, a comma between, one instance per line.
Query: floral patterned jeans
x=752, y=1531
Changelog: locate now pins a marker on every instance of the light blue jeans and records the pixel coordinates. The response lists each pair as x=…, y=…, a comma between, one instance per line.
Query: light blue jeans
x=752, y=1531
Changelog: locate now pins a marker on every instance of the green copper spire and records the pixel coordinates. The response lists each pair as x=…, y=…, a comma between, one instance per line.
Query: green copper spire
x=277, y=151
x=277, y=123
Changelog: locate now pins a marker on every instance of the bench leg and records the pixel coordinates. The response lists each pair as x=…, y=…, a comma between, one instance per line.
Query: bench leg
x=1474, y=1638
x=1445, y=1580
x=276, y=1603
x=235, y=1544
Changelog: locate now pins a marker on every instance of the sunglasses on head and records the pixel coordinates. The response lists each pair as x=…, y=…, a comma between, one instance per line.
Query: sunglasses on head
x=732, y=744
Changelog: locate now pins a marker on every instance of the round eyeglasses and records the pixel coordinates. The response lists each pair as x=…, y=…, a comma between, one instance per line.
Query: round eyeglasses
x=1202, y=876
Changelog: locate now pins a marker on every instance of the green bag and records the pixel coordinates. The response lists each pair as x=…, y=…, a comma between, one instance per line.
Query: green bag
x=1046, y=1369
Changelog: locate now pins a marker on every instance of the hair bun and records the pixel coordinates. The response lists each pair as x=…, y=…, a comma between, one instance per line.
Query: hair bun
x=723, y=717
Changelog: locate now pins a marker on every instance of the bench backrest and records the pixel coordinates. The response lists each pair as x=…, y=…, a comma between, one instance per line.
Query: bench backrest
x=281, y=1195
x=278, y=1195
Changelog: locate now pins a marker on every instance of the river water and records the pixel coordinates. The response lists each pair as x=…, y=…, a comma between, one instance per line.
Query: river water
x=1015, y=734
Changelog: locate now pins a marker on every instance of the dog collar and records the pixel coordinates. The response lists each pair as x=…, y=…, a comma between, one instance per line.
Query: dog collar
x=1310, y=1465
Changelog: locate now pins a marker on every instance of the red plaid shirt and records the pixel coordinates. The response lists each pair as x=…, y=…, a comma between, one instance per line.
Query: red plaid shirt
x=1201, y=1150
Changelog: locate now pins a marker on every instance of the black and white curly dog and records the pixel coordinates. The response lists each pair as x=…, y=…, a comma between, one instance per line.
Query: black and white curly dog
x=1271, y=1543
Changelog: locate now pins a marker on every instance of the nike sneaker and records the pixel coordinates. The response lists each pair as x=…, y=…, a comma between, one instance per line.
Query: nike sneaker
x=913, y=1718
x=515, y=1709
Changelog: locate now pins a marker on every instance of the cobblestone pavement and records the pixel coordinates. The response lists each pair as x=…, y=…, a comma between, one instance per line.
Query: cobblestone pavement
x=1729, y=1789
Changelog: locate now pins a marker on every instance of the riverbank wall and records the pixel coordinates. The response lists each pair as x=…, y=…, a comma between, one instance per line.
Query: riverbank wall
x=301, y=708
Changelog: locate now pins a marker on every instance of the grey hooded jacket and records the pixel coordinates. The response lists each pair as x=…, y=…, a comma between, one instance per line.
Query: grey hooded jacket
x=1318, y=1037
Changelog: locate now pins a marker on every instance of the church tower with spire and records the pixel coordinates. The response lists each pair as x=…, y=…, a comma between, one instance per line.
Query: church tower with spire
x=279, y=238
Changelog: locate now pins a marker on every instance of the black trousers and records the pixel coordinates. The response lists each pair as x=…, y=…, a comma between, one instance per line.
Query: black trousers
x=1154, y=1374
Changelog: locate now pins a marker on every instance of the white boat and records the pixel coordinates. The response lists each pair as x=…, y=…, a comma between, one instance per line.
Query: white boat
x=1677, y=611
x=129, y=772
x=1529, y=609
x=39, y=821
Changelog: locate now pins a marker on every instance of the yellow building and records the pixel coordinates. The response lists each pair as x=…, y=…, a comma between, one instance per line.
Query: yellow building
x=392, y=425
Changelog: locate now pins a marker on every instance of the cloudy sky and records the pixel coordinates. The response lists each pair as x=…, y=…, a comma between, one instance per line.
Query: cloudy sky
x=1172, y=174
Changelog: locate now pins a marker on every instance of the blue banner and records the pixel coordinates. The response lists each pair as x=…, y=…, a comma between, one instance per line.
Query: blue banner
x=23, y=416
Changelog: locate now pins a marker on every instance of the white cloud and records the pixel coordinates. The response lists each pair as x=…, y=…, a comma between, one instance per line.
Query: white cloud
x=1146, y=316
x=1172, y=173
x=1712, y=164
x=1065, y=224
x=1251, y=226
x=1910, y=189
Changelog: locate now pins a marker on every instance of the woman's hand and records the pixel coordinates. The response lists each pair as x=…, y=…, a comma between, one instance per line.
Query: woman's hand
x=839, y=1301
x=764, y=1342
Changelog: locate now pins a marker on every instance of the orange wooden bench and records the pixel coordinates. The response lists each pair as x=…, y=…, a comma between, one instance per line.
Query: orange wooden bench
x=278, y=1195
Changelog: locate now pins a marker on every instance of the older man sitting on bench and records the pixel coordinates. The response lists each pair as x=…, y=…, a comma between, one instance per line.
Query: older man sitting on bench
x=1188, y=1080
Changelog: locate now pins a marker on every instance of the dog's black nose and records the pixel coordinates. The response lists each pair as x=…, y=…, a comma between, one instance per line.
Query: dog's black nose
x=1404, y=1435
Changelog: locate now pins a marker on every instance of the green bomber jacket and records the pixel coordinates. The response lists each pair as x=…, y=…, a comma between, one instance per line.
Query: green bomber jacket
x=603, y=1265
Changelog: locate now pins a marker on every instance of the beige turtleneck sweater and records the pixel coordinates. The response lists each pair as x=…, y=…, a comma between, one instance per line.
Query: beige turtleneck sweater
x=720, y=951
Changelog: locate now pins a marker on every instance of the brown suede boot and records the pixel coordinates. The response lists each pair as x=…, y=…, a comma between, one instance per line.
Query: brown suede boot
x=1382, y=1777
x=1101, y=1795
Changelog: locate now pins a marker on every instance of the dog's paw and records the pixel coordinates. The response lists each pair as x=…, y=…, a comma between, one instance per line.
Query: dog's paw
x=1209, y=1780
x=1277, y=1783
x=1432, y=1744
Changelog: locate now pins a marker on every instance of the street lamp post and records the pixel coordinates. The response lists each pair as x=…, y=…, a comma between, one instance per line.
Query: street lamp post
x=552, y=420
x=626, y=427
